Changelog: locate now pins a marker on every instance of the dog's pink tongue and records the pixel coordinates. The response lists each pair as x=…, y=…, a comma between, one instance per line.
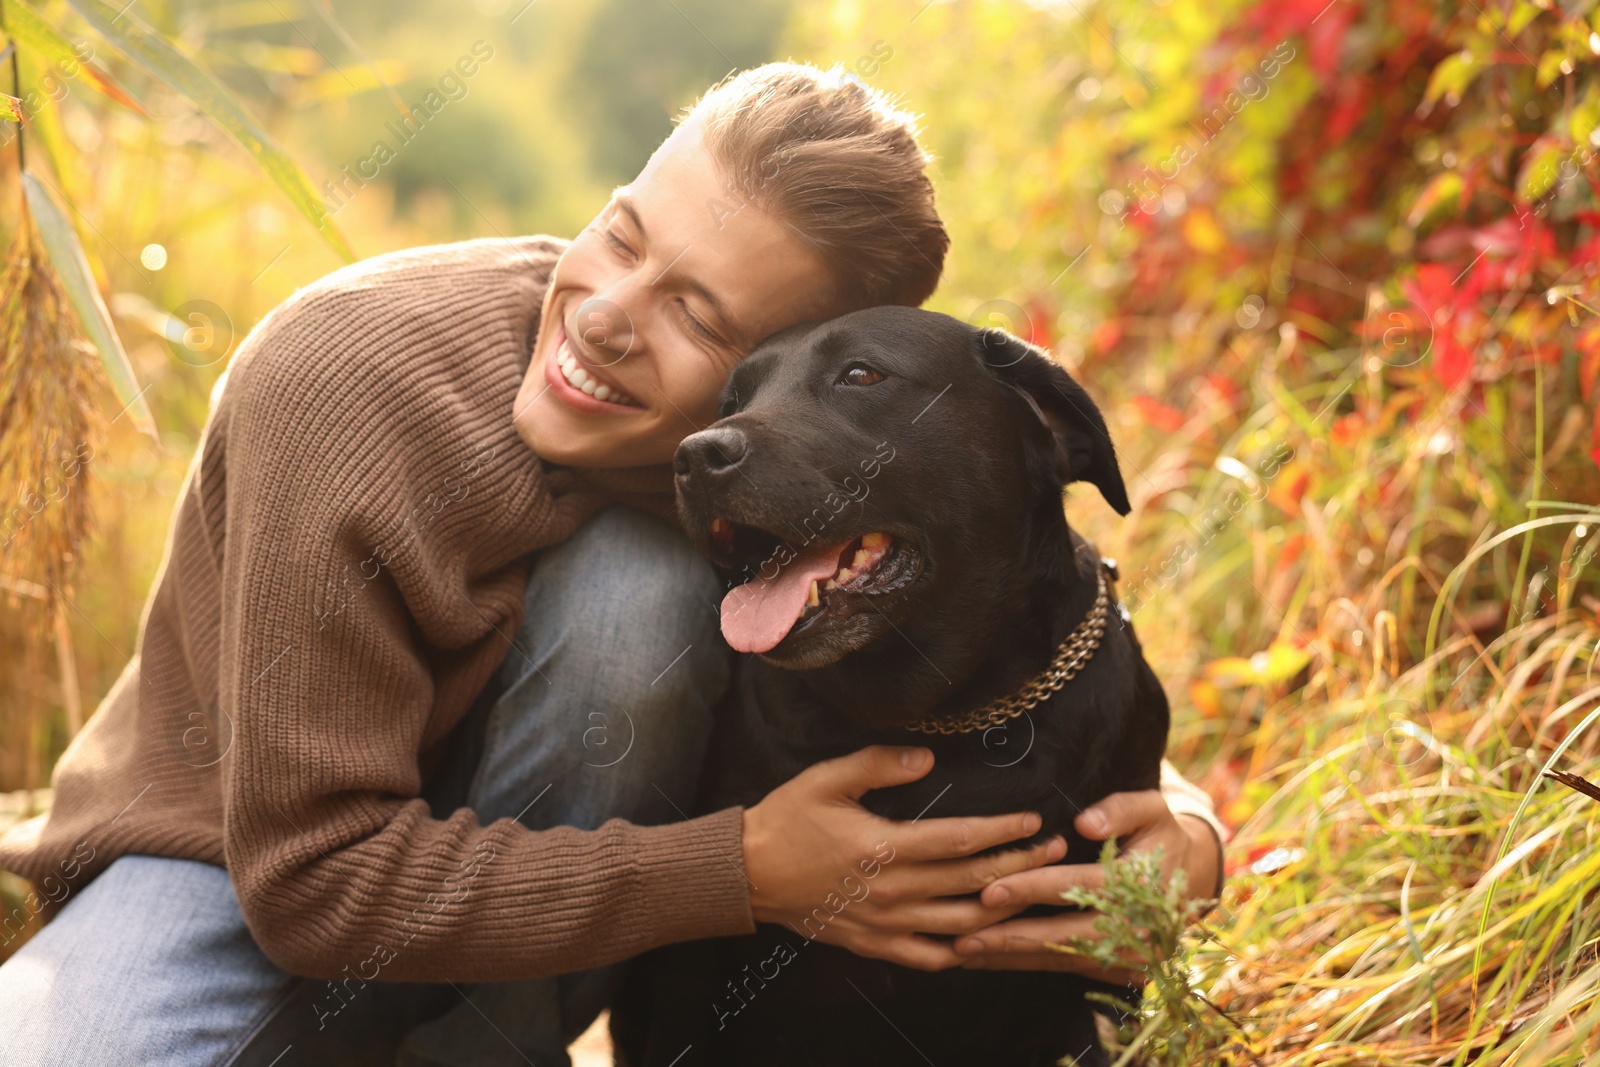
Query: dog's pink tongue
x=759, y=613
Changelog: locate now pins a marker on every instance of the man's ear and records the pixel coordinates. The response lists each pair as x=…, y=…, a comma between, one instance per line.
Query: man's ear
x=1083, y=451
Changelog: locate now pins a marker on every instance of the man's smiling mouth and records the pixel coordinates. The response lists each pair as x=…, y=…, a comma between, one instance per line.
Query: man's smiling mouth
x=581, y=377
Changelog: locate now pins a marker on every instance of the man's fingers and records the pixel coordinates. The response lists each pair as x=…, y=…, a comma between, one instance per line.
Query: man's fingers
x=909, y=950
x=964, y=916
x=1120, y=814
x=1044, y=885
x=1028, y=935
x=875, y=767
x=944, y=839
x=985, y=869
x=950, y=878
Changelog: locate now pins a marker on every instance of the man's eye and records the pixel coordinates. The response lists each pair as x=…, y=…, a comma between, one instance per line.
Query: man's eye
x=695, y=324
x=861, y=374
x=616, y=242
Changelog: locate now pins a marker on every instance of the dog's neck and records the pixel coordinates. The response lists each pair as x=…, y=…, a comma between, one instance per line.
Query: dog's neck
x=979, y=659
x=1026, y=642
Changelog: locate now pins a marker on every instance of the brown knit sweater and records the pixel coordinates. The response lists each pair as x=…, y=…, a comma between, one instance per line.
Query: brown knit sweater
x=344, y=569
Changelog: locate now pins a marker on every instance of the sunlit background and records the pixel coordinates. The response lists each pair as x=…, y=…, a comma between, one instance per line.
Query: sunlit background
x=1330, y=268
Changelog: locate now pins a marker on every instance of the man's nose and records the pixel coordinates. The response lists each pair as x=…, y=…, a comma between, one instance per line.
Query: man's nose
x=605, y=329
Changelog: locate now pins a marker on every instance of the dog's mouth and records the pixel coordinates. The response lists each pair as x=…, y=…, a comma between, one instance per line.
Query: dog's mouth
x=789, y=591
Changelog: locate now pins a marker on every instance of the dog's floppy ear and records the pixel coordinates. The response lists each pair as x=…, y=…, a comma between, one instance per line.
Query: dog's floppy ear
x=1083, y=448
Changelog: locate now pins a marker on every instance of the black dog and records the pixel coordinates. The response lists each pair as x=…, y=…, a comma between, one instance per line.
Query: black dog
x=886, y=489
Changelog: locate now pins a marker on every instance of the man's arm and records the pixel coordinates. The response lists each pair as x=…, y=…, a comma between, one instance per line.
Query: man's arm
x=1191, y=804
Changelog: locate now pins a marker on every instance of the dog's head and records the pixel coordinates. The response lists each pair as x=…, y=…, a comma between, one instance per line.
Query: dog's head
x=892, y=471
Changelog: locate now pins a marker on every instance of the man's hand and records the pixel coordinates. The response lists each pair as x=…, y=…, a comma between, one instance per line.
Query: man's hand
x=829, y=869
x=1140, y=821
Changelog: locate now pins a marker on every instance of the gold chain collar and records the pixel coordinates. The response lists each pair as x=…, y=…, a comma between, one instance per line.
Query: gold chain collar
x=1074, y=652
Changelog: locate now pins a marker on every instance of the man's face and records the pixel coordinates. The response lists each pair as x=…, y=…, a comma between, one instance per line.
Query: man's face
x=650, y=308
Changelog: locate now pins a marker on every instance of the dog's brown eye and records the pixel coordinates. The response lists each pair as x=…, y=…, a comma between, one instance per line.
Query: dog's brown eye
x=860, y=374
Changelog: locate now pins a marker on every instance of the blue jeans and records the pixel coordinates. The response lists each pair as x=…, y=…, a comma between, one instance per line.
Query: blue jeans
x=610, y=688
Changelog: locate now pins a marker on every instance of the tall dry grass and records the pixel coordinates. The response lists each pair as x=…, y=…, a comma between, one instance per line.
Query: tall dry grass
x=1406, y=887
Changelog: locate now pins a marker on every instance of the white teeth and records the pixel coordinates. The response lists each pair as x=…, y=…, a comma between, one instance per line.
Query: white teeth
x=582, y=380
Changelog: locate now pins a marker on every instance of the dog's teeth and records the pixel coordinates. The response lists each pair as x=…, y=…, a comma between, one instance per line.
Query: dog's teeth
x=874, y=540
x=863, y=557
x=718, y=525
x=812, y=598
x=829, y=584
x=844, y=575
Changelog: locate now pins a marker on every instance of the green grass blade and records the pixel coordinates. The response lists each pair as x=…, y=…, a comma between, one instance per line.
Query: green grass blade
x=26, y=28
x=77, y=281
x=157, y=56
x=1510, y=834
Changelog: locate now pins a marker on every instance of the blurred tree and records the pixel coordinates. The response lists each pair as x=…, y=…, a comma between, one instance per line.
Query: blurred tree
x=643, y=60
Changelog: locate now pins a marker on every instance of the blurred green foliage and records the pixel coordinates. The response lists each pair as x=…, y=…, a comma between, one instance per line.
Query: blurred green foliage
x=641, y=61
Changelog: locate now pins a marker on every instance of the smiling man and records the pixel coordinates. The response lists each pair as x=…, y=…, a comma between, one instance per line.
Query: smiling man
x=413, y=705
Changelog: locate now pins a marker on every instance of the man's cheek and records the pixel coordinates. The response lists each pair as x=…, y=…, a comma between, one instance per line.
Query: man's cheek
x=696, y=396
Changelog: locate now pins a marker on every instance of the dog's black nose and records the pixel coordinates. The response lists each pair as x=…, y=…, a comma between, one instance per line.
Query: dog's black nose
x=712, y=452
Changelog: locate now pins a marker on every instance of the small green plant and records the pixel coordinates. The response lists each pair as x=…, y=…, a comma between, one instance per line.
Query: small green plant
x=1145, y=921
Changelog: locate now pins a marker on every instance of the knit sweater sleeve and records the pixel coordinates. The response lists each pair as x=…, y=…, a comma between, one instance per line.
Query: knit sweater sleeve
x=329, y=679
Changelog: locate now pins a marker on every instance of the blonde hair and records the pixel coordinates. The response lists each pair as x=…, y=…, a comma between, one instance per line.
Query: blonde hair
x=838, y=163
